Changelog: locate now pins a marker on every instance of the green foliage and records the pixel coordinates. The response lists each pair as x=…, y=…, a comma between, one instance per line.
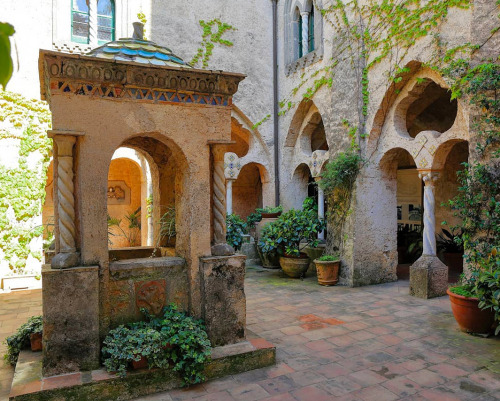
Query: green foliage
x=170, y=339
x=253, y=218
x=6, y=31
x=142, y=18
x=488, y=291
x=167, y=224
x=463, y=291
x=448, y=242
x=271, y=209
x=133, y=225
x=22, y=192
x=235, y=228
x=285, y=234
x=210, y=39
x=329, y=258
x=21, y=339
x=341, y=171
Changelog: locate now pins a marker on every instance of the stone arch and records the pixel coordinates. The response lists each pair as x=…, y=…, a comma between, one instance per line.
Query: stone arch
x=170, y=165
x=304, y=121
x=302, y=183
x=241, y=136
x=250, y=189
x=255, y=138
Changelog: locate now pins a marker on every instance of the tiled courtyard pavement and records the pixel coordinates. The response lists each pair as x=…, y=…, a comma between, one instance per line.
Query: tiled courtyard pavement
x=371, y=343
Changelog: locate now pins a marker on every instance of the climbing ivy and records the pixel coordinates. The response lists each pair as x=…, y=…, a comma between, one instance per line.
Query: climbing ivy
x=368, y=33
x=22, y=192
x=209, y=39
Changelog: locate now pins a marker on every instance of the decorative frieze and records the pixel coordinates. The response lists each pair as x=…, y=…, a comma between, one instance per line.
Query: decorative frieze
x=94, y=77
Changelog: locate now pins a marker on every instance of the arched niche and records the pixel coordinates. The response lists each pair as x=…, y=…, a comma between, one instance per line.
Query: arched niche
x=302, y=185
x=249, y=189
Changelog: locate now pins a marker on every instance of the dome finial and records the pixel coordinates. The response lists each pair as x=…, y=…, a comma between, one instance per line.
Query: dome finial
x=138, y=31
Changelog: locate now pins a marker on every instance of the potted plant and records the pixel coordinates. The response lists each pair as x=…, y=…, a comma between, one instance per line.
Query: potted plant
x=327, y=268
x=475, y=301
x=270, y=212
x=289, y=235
x=22, y=339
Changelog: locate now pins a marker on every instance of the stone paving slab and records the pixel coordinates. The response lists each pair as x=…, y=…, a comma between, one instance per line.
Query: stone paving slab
x=390, y=346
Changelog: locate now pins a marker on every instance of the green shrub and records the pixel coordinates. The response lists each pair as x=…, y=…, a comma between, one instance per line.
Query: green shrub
x=286, y=233
x=270, y=209
x=329, y=258
x=235, y=229
x=21, y=339
x=173, y=338
x=253, y=218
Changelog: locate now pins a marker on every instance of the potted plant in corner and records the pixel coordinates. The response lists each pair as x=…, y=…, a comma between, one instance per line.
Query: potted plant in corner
x=327, y=268
x=475, y=301
x=270, y=212
x=289, y=235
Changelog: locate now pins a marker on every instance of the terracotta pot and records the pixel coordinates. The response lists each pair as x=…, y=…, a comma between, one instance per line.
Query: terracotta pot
x=36, y=341
x=270, y=215
x=327, y=271
x=140, y=364
x=469, y=317
x=269, y=260
x=295, y=267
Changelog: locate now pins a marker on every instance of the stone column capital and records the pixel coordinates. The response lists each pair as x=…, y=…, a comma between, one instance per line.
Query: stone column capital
x=305, y=14
x=429, y=176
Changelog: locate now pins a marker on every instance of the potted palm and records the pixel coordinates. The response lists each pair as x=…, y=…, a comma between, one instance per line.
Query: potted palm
x=289, y=235
x=327, y=268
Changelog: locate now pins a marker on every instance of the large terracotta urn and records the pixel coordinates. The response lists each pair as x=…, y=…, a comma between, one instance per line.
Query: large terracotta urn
x=327, y=271
x=469, y=317
x=295, y=267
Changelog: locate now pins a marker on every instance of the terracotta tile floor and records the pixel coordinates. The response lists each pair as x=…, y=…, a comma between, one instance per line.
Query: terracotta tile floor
x=336, y=343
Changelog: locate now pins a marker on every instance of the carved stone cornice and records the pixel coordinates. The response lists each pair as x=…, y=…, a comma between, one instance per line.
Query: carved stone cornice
x=73, y=74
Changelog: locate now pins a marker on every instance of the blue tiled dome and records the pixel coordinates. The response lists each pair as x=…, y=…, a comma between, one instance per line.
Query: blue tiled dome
x=139, y=51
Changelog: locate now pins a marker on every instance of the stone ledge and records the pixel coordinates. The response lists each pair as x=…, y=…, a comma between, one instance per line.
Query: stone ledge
x=98, y=385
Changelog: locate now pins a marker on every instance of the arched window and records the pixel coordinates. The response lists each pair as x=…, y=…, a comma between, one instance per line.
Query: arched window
x=301, y=39
x=80, y=21
x=310, y=39
x=105, y=21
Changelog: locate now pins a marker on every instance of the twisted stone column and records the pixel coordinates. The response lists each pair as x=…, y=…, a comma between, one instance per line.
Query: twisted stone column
x=93, y=22
x=305, y=32
x=65, y=202
x=220, y=247
x=321, y=206
x=429, y=235
x=428, y=275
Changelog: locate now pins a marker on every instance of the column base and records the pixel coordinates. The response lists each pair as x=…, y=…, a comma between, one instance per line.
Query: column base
x=428, y=277
x=65, y=260
x=222, y=250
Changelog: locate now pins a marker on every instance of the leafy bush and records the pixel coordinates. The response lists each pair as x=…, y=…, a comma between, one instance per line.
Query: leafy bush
x=21, y=339
x=329, y=258
x=235, y=228
x=341, y=171
x=173, y=338
x=253, y=218
x=271, y=209
x=285, y=234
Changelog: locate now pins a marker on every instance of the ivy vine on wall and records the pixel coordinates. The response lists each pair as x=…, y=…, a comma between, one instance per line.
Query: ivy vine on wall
x=22, y=192
x=209, y=39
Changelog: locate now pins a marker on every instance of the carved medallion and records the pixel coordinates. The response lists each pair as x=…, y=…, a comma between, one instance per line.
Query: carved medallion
x=150, y=295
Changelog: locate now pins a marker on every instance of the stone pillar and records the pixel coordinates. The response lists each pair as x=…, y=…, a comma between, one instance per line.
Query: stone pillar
x=321, y=206
x=229, y=195
x=428, y=275
x=64, y=196
x=220, y=247
x=305, y=32
x=93, y=40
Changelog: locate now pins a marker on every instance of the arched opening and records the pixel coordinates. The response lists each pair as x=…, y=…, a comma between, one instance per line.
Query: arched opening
x=302, y=186
x=318, y=138
x=141, y=197
x=248, y=189
x=241, y=136
x=449, y=158
x=297, y=34
x=429, y=107
x=399, y=168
